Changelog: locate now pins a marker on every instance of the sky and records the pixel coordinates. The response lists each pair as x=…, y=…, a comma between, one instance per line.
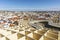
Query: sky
x=22, y=5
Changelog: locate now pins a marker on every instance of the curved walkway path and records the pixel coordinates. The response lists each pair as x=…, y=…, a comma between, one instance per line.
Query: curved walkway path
x=48, y=24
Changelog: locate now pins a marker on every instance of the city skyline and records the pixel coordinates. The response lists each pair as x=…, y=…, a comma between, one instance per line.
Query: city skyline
x=29, y=5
